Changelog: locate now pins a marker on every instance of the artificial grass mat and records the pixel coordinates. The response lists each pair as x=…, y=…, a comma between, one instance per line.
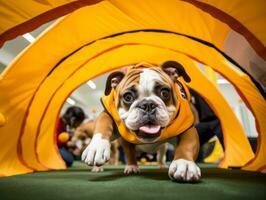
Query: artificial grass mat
x=78, y=182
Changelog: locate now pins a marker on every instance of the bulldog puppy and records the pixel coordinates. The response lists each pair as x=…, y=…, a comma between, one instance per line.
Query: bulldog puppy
x=147, y=105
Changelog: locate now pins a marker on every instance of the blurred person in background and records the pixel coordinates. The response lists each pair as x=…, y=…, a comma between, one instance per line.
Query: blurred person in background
x=65, y=128
x=208, y=127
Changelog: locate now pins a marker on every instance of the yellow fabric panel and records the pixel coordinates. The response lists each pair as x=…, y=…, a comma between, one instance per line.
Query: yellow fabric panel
x=31, y=132
x=77, y=21
x=12, y=106
x=211, y=75
x=257, y=106
x=2, y=119
x=236, y=139
x=50, y=159
x=184, y=18
x=142, y=12
x=250, y=13
x=14, y=12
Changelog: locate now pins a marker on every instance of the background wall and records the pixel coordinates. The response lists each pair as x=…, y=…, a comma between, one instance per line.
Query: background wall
x=242, y=112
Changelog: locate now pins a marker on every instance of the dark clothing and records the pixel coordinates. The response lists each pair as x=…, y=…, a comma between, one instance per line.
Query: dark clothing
x=209, y=124
x=65, y=154
x=60, y=128
x=204, y=111
x=207, y=130
x=71, y=119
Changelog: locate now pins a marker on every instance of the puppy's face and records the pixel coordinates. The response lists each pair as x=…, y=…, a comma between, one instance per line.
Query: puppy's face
x=146, y=101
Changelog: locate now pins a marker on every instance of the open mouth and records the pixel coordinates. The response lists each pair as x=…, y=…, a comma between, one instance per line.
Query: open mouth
x=149, y=131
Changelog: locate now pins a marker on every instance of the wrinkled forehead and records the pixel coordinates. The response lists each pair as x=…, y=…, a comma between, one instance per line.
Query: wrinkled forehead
x=145, y=78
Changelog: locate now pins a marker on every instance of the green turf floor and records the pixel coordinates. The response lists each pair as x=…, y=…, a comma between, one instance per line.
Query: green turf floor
x=79, y=183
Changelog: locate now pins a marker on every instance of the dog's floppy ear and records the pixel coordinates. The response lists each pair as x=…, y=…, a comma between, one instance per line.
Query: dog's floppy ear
x=174, y=70
x=113, y=80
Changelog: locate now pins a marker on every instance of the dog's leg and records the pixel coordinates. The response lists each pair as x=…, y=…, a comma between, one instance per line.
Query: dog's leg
x=114, y=158
x=161, y=157
x=183, y=167
x=130, y=153
x=98, y=151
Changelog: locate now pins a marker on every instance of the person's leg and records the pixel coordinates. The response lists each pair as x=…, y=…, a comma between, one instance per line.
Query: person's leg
x=67, y=156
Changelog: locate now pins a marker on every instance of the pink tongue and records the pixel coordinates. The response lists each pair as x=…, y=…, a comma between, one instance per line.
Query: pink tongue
x=150, y=129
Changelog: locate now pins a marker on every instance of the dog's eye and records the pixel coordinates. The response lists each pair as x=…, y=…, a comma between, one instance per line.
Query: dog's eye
x=165, y=93
x=128, y=97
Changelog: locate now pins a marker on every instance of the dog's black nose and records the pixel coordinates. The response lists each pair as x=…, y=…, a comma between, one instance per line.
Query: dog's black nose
x=148, y=106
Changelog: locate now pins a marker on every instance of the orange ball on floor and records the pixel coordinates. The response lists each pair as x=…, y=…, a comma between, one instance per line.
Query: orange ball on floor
x=63, y=137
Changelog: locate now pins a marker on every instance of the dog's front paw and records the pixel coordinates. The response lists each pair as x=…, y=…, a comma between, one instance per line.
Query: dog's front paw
x=131, y=169
x=97, y=152
x=184, y=170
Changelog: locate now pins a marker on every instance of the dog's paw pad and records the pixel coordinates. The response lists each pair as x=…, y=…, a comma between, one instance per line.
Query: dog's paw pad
x=97, y=169
x=184, y=171
x=131, y=169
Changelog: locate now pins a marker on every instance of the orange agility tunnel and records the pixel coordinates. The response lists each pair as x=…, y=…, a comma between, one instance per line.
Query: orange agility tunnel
x=93, y=37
